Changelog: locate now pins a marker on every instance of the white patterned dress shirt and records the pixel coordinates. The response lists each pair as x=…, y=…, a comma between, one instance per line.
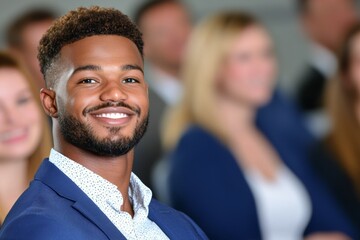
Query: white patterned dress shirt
x=109, y=199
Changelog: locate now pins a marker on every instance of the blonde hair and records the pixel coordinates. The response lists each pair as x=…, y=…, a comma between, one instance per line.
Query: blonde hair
x=341, y=100
x=45, y=143
x=207, y=49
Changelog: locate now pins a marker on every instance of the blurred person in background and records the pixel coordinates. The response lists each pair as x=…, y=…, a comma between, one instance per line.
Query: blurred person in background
x=24, y=132
x=325, y=23
x=235, y=179
x=337, y=158
x=165, y=25
x=23, y=36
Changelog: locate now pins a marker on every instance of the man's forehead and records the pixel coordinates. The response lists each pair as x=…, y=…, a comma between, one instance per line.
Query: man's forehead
x=100, y=50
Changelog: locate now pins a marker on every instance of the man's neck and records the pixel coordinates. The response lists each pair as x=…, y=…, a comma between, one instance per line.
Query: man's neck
x=116, y=170
x=171, y=71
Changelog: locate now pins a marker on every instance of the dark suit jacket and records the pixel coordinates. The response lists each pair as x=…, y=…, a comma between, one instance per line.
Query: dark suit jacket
x=53, y=207
x=149, y=150
x=310, y=93
x=336, y=179
x=208, y=185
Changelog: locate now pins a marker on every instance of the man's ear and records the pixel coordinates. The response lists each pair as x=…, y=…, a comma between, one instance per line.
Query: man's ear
x=48, y=101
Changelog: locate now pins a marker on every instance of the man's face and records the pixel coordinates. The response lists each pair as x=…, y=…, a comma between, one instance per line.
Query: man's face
x=165, y=30
x=101, y=95
x=327, y=21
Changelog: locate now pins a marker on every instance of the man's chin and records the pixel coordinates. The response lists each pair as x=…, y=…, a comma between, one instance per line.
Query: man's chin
x=106, y=141
x=114, y=138
x=107, y=147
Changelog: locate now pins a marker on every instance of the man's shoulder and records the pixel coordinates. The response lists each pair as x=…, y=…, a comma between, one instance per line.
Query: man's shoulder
x=33, y=225
x=176, y=222
x=41, y=213
x=42, y=226
x=31, y=213
x=35, y=198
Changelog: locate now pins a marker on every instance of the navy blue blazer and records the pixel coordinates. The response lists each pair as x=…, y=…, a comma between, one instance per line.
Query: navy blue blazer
x=207, y=184
x=53, y=207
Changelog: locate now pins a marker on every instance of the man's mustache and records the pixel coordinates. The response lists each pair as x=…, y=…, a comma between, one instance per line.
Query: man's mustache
x=112, y=104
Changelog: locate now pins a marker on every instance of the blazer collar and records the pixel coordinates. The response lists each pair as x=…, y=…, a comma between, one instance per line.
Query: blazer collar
x=160, y=215
x=51, y=176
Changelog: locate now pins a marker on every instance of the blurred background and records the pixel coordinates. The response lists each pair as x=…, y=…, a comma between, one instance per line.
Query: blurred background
x=300, y=122
x=279, y=15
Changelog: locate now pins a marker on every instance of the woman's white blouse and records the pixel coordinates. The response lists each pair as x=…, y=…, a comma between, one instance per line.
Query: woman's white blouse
x=283, y=204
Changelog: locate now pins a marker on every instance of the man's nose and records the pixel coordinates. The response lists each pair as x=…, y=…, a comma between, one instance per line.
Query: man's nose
x=113, y=92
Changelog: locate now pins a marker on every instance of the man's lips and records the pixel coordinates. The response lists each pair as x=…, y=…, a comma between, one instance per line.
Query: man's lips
x=113, y=115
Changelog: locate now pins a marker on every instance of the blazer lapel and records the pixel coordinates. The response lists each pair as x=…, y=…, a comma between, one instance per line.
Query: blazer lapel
x=50, y=175
x=160, y=216
x=94, y=214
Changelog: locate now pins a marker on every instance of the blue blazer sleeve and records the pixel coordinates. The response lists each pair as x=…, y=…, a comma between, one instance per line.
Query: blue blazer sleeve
x=25, y=228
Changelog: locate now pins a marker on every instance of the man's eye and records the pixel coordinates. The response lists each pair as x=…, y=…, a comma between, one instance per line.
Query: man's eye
x=130, y=80
x=88, y=81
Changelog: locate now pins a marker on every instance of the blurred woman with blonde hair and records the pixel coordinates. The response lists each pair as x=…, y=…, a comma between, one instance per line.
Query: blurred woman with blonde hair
x=235, y=180
x=24, y=131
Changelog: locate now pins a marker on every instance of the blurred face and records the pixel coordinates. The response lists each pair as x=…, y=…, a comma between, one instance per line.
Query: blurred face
x=327, y=21
x=354, y=70
x=31, y=38
x=101, y=95
x=165, y=30
x=249, y=69
x=20, y=117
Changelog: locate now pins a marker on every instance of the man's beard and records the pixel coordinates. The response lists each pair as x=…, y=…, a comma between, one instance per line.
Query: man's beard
x=82, y=136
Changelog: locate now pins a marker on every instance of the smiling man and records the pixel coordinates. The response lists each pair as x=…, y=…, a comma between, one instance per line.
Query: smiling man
x=92, y=61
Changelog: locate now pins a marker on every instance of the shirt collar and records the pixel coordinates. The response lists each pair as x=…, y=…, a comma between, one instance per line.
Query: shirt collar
x=100, y=190
x=168, y=87
x=323, y=60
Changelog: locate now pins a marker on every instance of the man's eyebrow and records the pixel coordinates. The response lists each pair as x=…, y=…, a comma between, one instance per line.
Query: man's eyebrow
x=90, y=67
x=128, y=67
x=87, y=68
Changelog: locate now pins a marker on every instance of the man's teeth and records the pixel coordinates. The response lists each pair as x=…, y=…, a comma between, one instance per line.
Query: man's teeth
x=112, y=115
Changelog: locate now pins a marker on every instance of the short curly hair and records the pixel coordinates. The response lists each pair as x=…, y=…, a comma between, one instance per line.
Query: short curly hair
x=79, y=24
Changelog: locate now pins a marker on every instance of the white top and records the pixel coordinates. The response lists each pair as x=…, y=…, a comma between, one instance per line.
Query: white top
x=167, y=87
x=109, y=199
x=283, y=205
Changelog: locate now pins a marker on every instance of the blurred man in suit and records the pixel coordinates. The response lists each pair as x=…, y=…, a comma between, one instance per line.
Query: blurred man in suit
x=23, y=36
x=325, y=22
x=165, y=25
